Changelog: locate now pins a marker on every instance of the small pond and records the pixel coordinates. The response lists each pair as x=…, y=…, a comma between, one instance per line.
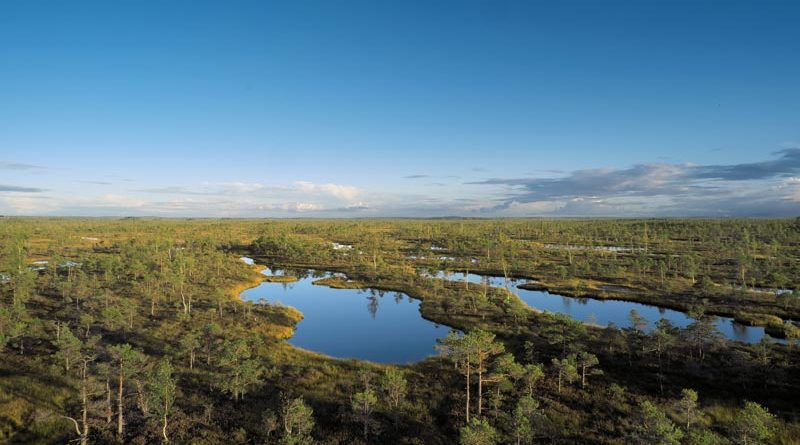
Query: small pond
x=364, y=324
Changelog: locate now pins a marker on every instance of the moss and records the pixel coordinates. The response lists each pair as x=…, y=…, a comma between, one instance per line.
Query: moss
x=339, y=283
x=249, y=282
x=759, y=320
x=280, y=278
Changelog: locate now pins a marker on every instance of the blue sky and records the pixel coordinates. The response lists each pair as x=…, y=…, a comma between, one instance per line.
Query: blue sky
x=400, y=108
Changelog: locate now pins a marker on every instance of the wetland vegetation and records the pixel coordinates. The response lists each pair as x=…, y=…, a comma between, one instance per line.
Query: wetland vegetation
x=657, y=331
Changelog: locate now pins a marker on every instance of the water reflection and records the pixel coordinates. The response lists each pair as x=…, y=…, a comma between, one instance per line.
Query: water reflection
x=336, y=323
x=372, y=305
x=604, y=312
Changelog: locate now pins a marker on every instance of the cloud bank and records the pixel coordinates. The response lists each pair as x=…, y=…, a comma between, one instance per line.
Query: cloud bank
x=765, y=188
x=18, y=189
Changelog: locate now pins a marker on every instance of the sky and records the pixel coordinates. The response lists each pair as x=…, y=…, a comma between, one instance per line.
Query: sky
x=478, y=108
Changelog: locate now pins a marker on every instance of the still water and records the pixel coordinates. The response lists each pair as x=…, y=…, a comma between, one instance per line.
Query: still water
x=364, y=324
x=603, y=312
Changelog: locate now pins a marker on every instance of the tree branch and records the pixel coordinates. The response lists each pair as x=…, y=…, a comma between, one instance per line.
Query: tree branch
x=77, y=426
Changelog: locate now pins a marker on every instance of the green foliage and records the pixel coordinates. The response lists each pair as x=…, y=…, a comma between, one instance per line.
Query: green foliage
x=754, y=425
x=531, y=375
x=705, y=437
x=14, y=323
x=586, y=362
x=478, y=432
x=190, y=343
x=128, y=360
x=162, y=390
x=655, y=428
x=688, y=405
x=363, y=404
x=565, y=332
x=523, y=419
x=113, y=318
x=566, y=370
x=394, y=386
x=791, y=332
x=242, y=371
x=298, y=422
x=68, y=348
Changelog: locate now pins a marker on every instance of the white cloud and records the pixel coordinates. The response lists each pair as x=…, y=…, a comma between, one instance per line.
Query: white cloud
x=302, y=207
x=111, y=200
x=343, y=192
x=766, y=188
x=26, y=204
x=357, y=206
x=242, y=187
x=529, y=208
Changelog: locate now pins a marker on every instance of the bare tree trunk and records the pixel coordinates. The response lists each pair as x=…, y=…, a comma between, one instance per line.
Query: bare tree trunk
x=85, y=400
x=120, y=407
x=583, y=377
x=183, y=300
x=480, y=387
x=164, y=429
x=559, y=381
x=468, y=371
x=109, y=411
x=688, y=418
x=77, y=429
